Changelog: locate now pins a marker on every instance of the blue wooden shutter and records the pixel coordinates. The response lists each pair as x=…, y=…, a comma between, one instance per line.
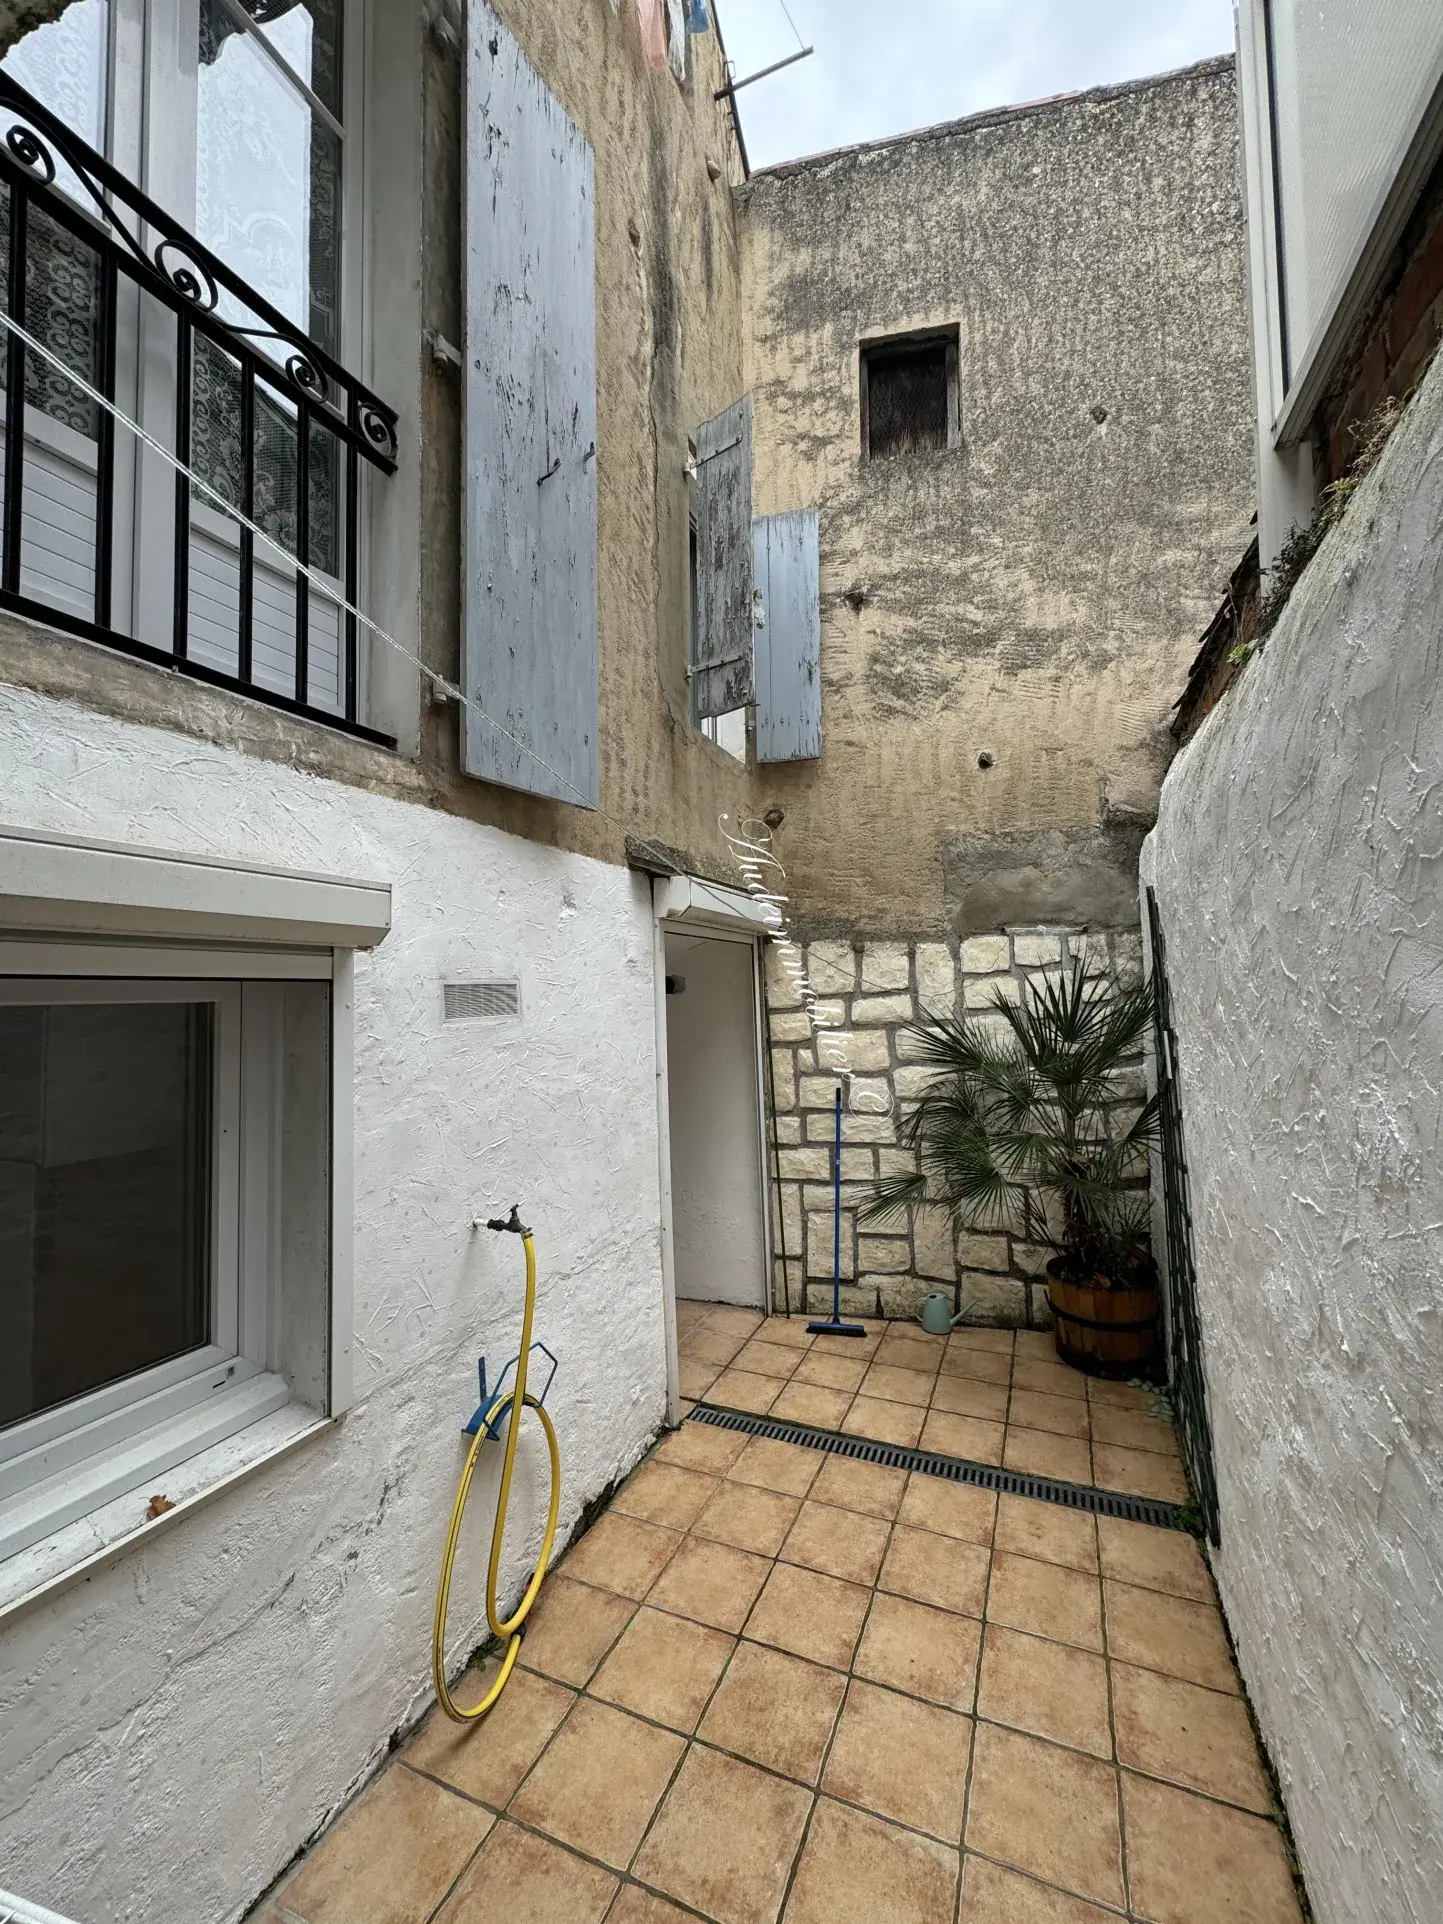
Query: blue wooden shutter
x=722, y=668
x=529, y=667
x=789, y=641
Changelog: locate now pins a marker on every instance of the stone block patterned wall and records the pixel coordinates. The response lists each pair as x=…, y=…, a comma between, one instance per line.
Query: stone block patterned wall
x=867, y=994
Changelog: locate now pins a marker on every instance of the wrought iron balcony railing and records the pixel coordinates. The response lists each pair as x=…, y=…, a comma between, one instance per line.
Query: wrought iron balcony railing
x=103, y=538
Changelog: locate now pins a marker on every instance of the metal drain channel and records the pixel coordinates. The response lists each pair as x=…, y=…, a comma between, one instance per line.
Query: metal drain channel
x=957, y=1469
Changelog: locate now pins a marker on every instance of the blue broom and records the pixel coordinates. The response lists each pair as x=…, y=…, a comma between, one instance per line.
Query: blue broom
x=834, y=1326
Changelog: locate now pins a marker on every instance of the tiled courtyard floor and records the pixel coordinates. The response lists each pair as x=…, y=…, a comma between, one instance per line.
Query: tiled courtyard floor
x=994, y=1395
x=773, y=1684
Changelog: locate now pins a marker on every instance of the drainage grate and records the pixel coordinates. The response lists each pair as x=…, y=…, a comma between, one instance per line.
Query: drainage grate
x=986, y=1476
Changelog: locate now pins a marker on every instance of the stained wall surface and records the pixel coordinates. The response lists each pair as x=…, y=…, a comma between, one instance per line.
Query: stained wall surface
x=1296, y=863
x=1035, y=594
x=175, y=1727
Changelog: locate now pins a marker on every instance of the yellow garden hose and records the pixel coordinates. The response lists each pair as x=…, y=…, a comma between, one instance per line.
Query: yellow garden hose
x=511, y=1403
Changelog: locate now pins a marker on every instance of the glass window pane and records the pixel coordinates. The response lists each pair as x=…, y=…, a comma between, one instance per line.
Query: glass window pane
x=308, y=38
x=64, y=64
x=105, y=1184
x=267, y=186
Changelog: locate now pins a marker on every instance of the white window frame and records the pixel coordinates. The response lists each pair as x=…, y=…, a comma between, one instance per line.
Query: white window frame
x=88, y=921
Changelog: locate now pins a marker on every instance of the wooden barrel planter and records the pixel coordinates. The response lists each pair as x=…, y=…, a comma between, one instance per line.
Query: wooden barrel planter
x=1107, y=1332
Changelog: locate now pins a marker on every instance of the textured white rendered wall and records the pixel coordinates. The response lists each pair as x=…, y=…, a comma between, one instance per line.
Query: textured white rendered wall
x=1298, y=861
x=716, y=1180
x=172, y=1730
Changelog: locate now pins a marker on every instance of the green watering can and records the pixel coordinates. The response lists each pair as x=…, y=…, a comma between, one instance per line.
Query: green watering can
x=936, y=1317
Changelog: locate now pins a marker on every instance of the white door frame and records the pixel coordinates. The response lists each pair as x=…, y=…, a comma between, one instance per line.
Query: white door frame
x=689, y=904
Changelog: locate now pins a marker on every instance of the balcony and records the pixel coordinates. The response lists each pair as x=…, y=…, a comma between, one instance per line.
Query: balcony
x=184, y=469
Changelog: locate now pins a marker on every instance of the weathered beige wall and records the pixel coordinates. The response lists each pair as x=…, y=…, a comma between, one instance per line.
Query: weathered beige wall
x=669, y=355
x=1035, y=595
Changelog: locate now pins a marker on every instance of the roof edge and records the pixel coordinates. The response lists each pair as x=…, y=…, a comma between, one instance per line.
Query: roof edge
x=994, y=116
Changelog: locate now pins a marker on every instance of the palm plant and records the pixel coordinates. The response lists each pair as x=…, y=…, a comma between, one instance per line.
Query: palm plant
x=1011, y=1134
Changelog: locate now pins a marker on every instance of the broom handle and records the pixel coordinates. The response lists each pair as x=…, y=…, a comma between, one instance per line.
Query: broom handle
x=837, y=1214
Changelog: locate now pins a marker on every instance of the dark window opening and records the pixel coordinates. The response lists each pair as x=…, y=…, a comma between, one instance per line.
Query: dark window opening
x=105, y=1194
x=909, y=397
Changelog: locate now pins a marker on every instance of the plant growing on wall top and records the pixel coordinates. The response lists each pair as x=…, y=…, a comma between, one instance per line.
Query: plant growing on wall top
x=1012, y=1133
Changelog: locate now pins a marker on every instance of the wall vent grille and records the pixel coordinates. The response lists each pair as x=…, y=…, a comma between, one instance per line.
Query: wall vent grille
x=986, y=1476
x=481, y=1001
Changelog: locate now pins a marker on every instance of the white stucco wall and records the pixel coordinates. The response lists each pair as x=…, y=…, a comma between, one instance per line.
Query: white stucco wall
x=174, y=1728
x=1298, y=861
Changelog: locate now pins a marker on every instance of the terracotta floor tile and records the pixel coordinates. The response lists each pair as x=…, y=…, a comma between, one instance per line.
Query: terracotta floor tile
x=663, y=1493
x=1063, y=1457
x=820, y=1409
x=1170, y=1634
x=1048, y=1532
x=707, y=1346
x=964, y=1396
x=543, y=1883
x=1190, y=1861
x=777, y=1466
x=856, y=1869
x=830, y=1372
x=977, y=1336
x=911, y=1352
x=896, y=1385
x=665, y=1668
x=1139, y=1472
x=1133, y=1430
x=1046, y=1599
x=1201, y=1739
x=635, y=1906
x=1153, y=1559
x=1040, y=1344
x=731, y=1316
x=949, y=1509
x=725, y=1839
x=767, y=1359
x=1047, y=1811
x=964, y=1436
x=517, y=1730
x=928, y=1653
x=811, y=1615
x=978, y=1365
x=775, y=1710
x=939, y=1570
x=571, y=1629
x=1059, y=1415
x=748, y=1518
x=791, y=1331
x=701, y=1446
x=840, y=1543
x=884, y=1422
x=598, y=1782
x=694, y=1378
x=872, y=1488
x=390, y=1859
x=621, y=1553
x=901, y=1758
x=711, y=1583
x=992, y=1895
x=1047, y=1688
x=1052, y=1379
x=744, y=1390
x=1119, y=1396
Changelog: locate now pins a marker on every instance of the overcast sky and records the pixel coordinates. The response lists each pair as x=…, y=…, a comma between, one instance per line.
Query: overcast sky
x=884, y=69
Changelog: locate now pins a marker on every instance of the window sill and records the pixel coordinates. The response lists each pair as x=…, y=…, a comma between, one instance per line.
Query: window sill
x=81, y=1547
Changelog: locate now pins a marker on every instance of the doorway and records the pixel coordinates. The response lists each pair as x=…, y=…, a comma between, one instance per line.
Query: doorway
x=715, y=1117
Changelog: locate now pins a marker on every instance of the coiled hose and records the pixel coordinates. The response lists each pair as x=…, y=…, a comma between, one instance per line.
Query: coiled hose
x=512, y=1403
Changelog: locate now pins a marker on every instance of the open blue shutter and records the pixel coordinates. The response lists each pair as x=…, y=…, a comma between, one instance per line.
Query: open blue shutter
x=529, y=667
x=724, y=614
x=789, y=640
